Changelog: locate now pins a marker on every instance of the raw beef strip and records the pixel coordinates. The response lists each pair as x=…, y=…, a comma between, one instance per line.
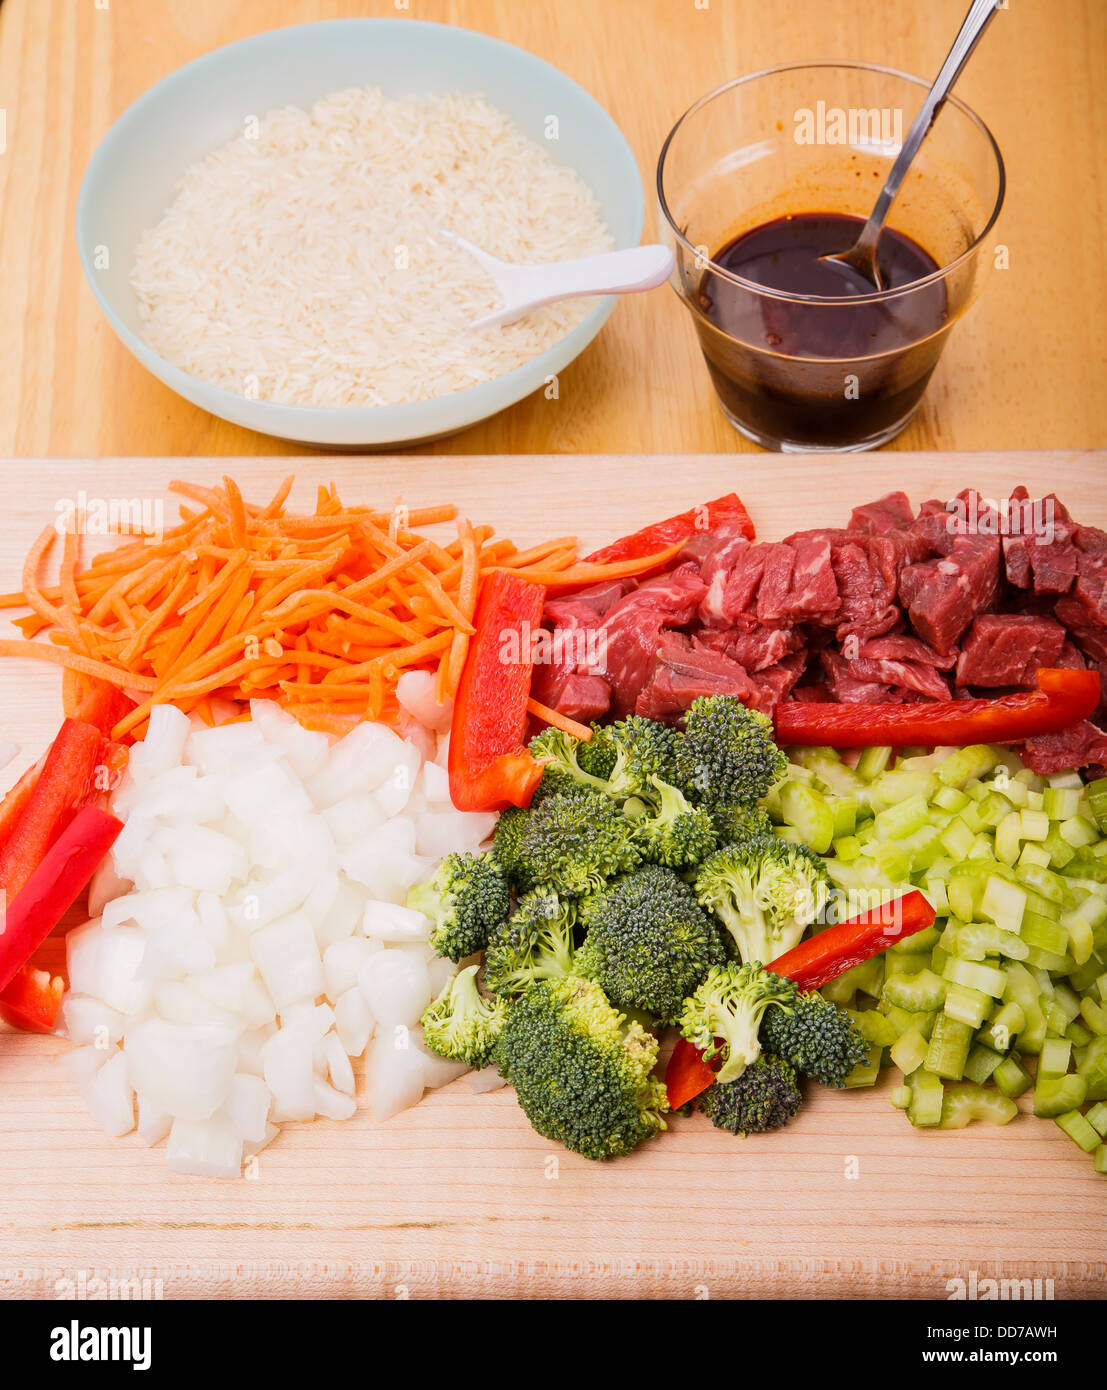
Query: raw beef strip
x=1084, y=610
x=1077, y=746
x=899, y=647
x=776, y=583
x=715, y=569
x=908, y=675
x=756, y=649
x=846, y=688
x=814, y=590
x=1008, y=648
x=1016, y=551
x=943, y=596
x=740, y=593
x=631, y=629
x=551, y=676
x=682, y=672
x=892, y=512
x=865, y=573
x=774, y=684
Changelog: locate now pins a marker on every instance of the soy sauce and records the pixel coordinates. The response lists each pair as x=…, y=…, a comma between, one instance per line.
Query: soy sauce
x=820, y=375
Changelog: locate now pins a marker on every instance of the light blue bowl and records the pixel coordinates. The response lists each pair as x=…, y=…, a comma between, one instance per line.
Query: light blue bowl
x=131, y=178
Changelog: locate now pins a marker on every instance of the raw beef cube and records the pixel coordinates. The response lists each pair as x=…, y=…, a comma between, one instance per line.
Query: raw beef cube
x=950, y=592
x=740, y=593
x=682, y=672
x=892, y=512
x=1078, y=746
x=865, y=573
x=906, y=675
x=776, y=583
x=1008, y=648
x=897, y=646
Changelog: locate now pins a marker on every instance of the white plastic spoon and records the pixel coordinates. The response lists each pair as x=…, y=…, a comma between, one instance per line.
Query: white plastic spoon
x=527, y=287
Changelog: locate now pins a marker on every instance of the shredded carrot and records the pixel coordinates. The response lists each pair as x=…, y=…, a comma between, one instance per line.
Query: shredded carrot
x=240, y=601
x=559, y=721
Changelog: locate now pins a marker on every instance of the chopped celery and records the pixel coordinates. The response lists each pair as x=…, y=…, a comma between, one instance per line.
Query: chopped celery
x=971, y=816
x=1016, y=792
x=949, y=1048
x=876, y=1028
x=1101, y=1159
x=909, y=1051
x=938, y=958
x=1070, y=778
x=1078, y=1035
x=1033, y=825
x=957, y=838
x=1061, y=853
x=1094, y=1016
x=1008, y=833
x=964, y=1103
x=1055, y=1057
x=981, y=1063
x=967, y=1005
x=1079, y=1130
x=1034, y=801
x=936, y=892
x=873, y=761
x=918, y=944
x=846, y=848
x=975, y=940
x=1093, y=1068
x=1061, y=803
x=1068, y=1001
x=892, y=862
x=844, y=809
x=840, y=991
x=1030, y=780
x=1097, y=1118
x=924, y=848
x=992, y=808
x=1049, y=961
x=982, y=848
x=926, y=1098
x=1057, y=1021
x=966, y=763
x=1081, y=935
x=916, y=993
x=964, y=892
x=1003, y=903
x=901, y=1097
x=1047, y=935
x=1084, y=977
x=808, y=811
x=1077, y=832
x=1041, y=881
x=1055, y=1095
x=893, y=788
x=1097, y=801
x=866, y=1072
x=1011, y=1078
x=1034, y=854
x=950, y=799
x=976, y=975
x=1004, y=1027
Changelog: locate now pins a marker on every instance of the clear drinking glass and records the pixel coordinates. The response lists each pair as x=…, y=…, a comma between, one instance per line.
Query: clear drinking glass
x=810, y=373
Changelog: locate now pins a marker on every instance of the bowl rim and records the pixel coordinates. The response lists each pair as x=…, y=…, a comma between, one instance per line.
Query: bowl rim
x=406, y=420
x=879, y=296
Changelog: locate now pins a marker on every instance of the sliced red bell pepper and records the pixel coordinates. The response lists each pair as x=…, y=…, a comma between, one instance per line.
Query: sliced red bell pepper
x=812, y=964
x=687, y=1074
x=103, y=707
x=697, y=520
x=31, y=1000
x=63, y=784
x=490, y=767
x=1062, y=698
x=54, y=886
x=12, y=807
x=822, y=958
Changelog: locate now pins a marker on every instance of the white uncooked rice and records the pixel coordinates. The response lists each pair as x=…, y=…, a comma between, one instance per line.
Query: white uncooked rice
x=298, y=263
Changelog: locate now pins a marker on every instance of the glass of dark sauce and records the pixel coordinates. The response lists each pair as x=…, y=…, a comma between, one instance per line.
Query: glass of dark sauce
x=765, y=175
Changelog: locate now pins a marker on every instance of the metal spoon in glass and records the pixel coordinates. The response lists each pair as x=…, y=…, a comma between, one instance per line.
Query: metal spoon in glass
x=526, y=287
x=861, y=256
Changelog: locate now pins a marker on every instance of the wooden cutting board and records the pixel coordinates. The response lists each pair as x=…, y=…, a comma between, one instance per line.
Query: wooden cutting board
x=459, y=1197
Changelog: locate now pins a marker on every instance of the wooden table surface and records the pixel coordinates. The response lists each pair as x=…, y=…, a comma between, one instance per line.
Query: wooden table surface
x=458, y=1197
x=1025, y=370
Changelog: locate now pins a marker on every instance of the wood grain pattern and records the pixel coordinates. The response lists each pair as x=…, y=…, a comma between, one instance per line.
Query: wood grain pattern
x=458, y=1197
x=1025, y=370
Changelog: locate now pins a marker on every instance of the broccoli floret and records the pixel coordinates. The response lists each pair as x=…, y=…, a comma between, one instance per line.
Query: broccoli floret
x=671, y=830
x=817, y=1038
x=536, y=943
x=465, y=899
x=573, y=842
x=505, y=846
x=736, y=824
x=649, y=943
x=581, y=1072
x=724, y=1015
x=764, y=1097
x=644, y=749
x=565, y=764
x=597, y=755
x=766, y=891
x=726, y=753
x=461, y=1023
